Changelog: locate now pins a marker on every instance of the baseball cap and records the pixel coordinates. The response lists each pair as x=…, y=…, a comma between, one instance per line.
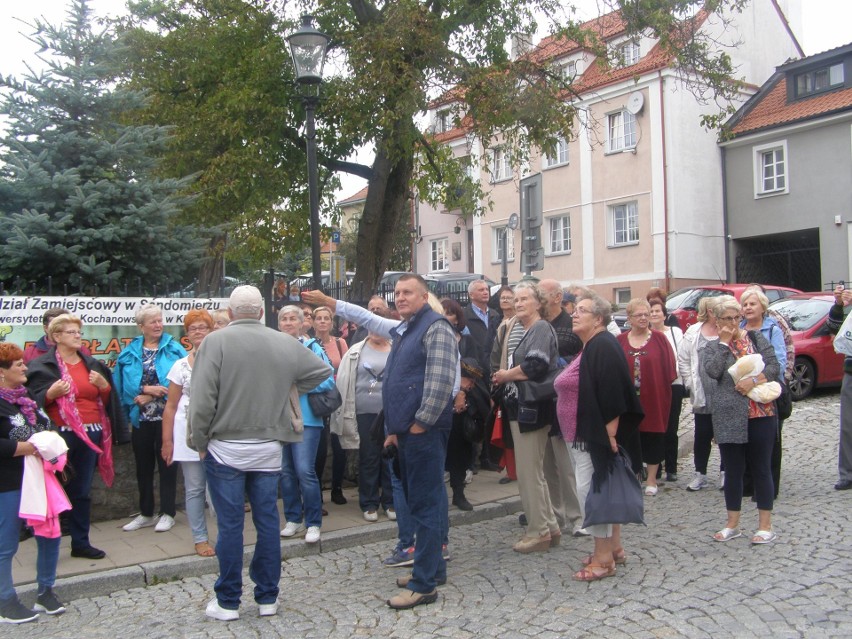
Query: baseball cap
x=245, y=299
x=568, y=297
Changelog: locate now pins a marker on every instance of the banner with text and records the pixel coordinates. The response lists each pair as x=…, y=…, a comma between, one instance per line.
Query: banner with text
x=109, y=323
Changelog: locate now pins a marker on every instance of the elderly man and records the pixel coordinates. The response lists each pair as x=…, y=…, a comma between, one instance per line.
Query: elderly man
x=481, y=321
x=558, y=469
x=239, y=418
x=417, y=397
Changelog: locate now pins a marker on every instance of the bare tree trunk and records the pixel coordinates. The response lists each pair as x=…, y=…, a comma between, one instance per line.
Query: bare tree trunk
x=386, y=207
x=210, y=274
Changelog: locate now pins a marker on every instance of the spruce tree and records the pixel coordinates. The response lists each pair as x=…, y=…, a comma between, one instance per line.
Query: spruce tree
x=80, y=199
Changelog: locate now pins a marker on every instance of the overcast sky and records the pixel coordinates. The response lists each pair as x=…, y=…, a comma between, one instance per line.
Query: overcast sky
x=825, y=25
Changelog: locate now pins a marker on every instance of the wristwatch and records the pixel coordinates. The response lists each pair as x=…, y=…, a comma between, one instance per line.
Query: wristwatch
x=754, y=380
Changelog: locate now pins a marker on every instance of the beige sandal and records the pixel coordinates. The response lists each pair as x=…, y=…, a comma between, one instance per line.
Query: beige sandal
x=204, y=549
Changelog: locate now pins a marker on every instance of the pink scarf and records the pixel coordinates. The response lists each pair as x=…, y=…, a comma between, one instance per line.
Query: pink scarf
x=67, y=405
x=20, y=397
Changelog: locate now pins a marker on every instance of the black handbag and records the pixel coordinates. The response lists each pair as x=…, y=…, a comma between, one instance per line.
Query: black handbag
x=784, y=403
x=325, y=403
x=618, y=499
x=530, y=392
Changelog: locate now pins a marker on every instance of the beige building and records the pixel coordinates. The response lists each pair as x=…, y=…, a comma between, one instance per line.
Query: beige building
x=634, y=198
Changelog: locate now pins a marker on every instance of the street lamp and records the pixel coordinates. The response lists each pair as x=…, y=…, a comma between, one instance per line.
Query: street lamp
x=307, y=48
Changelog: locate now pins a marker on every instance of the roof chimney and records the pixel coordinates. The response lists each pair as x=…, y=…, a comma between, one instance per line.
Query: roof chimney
x=521, y=44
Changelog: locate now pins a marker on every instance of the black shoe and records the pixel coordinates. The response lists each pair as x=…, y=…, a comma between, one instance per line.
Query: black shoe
x=671, y=476
x=13, y=611
x=48, y=602
x=461, y=502
x=843, y=484
x=337, y=496
x=505, y=480
x=90, y=552
x=522, y=519
x=490, y=465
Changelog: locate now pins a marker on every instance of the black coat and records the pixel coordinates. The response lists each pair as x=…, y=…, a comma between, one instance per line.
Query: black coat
x=482, y=336
x=43, y=371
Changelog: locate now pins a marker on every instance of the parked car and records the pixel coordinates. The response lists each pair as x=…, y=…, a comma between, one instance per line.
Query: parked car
x=225, y=288
x=454, y=285
x=306, y=280
x=817, y=364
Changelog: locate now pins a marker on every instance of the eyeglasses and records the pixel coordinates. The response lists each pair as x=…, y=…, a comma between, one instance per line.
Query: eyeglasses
x=74, y=333
x=198, y=329
x=735, y=318
x=309, y=316
x=579, y=310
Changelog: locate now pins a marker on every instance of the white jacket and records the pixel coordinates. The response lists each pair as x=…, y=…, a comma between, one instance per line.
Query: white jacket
x=688, y=365
x=343, y=421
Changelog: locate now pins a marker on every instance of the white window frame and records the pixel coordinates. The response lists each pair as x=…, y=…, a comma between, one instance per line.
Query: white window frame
x=501, y=165
x=630, y=52
x=439, y=255
x=444, y=121
x=780, y=169
x=621, y=296
x=559, y=235
x=623, y=222
x=561, y=156
x=497, y=244
x=620, y=131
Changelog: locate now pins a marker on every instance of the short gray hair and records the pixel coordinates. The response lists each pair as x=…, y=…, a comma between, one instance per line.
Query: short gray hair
x=534, y=290
x=758, y=293
x=148, y=311
x=291, y=308
x=474, y=283
x=600, y=307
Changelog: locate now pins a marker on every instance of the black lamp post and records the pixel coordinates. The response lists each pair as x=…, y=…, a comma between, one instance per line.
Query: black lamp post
x=307, y=48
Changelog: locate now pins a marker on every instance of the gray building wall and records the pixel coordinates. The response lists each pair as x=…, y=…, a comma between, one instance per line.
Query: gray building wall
x=819, y=171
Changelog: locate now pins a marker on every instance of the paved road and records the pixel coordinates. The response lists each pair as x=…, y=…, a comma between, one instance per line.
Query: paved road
x=677, y=583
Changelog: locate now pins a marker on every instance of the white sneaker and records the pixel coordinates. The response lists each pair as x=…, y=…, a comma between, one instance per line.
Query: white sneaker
x=391, y=513
x=166, y=523
x=468, y=476
x=292, y=529
x=215, y=611
x=650, y=491
x=721, y=480
x=141, y=521
x=697, y=483
x=371, y=515
x=313, y=535
x=268, y=610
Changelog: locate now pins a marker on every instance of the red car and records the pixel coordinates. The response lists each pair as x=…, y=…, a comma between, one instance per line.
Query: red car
x=816, y=362
x=683, y=303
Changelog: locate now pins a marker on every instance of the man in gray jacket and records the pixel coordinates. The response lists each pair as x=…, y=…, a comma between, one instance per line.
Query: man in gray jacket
x=239, y=416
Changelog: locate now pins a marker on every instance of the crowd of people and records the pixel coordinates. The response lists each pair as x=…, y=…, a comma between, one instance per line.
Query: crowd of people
x=427, y=390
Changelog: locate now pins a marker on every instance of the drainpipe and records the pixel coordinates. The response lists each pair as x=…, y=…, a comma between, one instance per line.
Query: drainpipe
x=665, y=183
x=725, y=236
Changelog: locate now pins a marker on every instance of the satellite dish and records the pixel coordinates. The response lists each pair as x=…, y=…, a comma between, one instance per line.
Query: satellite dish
x=635, y=102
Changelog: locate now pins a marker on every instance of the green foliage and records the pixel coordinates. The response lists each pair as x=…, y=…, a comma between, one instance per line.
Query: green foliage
x=79, y=201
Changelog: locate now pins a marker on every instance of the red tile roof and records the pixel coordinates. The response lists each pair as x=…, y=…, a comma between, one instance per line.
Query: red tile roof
x=360, y=195
x=773, y=110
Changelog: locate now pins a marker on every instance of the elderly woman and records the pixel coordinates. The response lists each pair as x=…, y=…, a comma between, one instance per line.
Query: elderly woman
x=744, y=429
x=198, y=324
x=651, y=361
x=359, y=379
x=592, y=428
x=335, y=348
x=756, y=317
x=141, y=372
x=506, y=299
x=659, y=315
x=220, y=318
x=78, y=393
x=300, y=487
x=690, y=363
x=20, y=419
x=531, y=353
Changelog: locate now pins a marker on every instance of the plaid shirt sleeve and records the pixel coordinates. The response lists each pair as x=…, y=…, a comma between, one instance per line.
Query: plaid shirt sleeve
x=442, y=357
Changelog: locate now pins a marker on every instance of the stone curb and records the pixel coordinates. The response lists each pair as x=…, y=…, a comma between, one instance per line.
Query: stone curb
x=101, y=584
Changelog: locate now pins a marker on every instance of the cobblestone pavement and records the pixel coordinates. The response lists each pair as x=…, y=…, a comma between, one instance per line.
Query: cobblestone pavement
x=677, y=583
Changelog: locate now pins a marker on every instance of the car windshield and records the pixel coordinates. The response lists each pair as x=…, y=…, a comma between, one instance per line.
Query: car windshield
x=802, y=314
x=687, y=298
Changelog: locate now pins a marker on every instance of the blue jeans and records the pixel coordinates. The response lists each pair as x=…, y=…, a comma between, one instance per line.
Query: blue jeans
x=84, y=461
x=195, y=485
x=228, y=487
x=372, y=473
x=404, y=524
x=48, y=548
x=10, y=530
x=421, y=462
x=300, y=487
